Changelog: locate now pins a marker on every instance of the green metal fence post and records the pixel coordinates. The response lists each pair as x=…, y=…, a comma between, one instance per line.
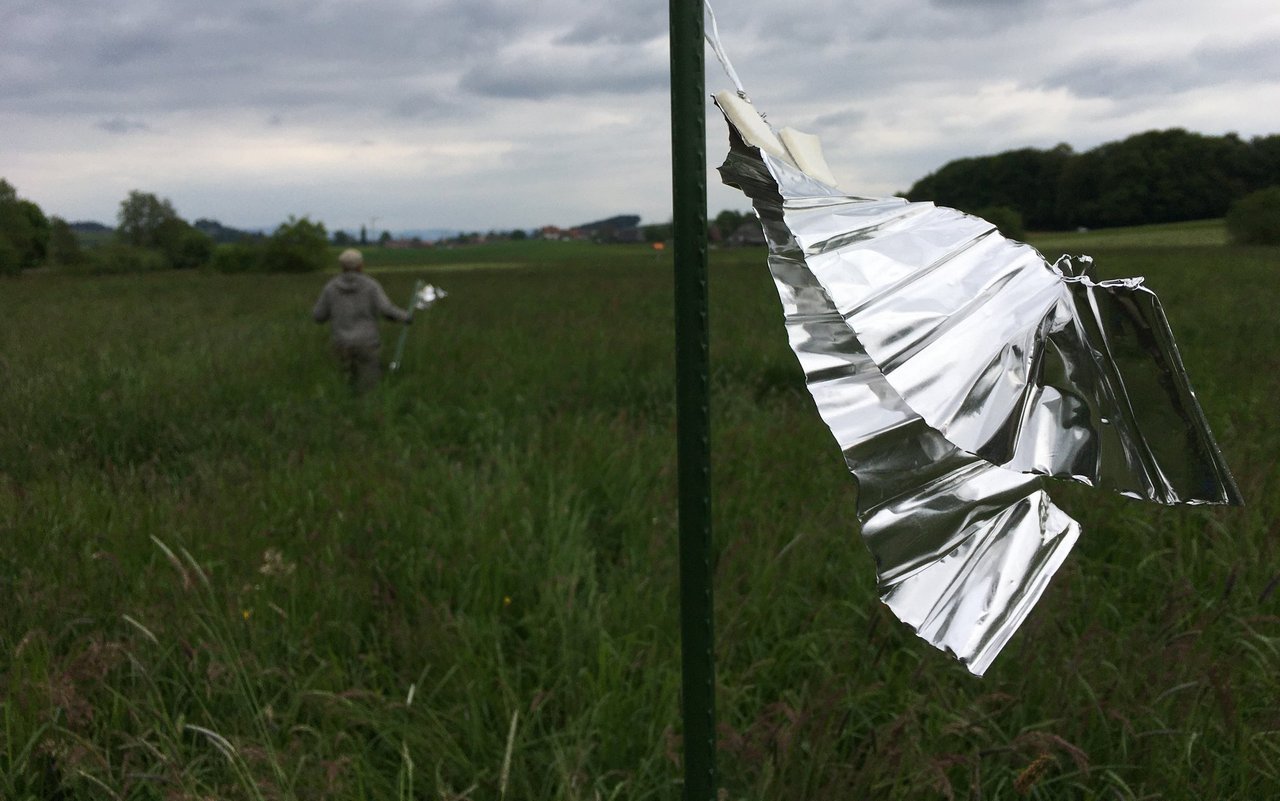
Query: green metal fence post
x=693, y=413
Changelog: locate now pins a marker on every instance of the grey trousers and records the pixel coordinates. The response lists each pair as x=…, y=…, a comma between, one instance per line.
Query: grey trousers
x=361, y=365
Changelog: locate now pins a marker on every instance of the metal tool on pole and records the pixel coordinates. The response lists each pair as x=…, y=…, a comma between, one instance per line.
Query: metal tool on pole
x=693, y=413
x=424, y=296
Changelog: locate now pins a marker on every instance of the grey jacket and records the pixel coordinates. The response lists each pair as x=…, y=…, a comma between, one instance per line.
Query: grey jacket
x=352, y=302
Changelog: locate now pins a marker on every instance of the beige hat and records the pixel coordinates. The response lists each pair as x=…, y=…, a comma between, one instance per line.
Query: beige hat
x=351, y=259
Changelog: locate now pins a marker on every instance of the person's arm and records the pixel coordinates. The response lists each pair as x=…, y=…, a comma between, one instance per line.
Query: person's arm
x=390, y=310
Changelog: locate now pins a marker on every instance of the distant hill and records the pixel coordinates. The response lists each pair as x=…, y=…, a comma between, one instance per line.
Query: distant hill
x=88, y=227
x=221, y=233
x=619, y=223
x=620, y=228
x=91, y=234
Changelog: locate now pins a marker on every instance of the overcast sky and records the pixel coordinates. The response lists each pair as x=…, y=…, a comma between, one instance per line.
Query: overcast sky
x=480, y=114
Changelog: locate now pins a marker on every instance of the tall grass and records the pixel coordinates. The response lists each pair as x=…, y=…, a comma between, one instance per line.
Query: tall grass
x=231, y=579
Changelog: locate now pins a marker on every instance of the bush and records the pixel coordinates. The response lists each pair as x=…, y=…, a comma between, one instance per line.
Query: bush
x=141, y=217
x=150, y=222
x=238, y=257
x=1255, y=219
x=64, y=245
x=183, y=246
x=297, y=246
x=10, y=258
x=120, y=258
x=1007, y=220
x=24, y=229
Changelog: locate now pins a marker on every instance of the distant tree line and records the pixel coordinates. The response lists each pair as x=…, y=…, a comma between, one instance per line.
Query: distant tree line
x=480, y=238
x=151, y=235
x=719, y=228
x=1152, y=177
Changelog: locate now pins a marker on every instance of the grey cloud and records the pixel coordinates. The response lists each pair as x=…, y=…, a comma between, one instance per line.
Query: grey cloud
x=1169, y=73
x=130, y=47
x=341, y=71
x=122, y=125
x=1122, y=80
x=910, y=27
x=564, y=71
x=997, y=4
x=428, y=106
x=403, y=58
x=844, y=120
x=619, y=24
x=265, y=16
x=1260, y=59
x=186, y=54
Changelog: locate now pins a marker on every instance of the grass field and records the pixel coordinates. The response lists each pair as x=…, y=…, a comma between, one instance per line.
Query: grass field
x=228, y=579
x=1189, y=234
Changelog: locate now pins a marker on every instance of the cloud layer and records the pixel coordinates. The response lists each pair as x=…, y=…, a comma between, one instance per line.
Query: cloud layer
x=487, y=113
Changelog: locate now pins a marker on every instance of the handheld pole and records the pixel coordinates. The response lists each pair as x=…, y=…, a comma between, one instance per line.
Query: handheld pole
x=693, y=415
x=404, y=332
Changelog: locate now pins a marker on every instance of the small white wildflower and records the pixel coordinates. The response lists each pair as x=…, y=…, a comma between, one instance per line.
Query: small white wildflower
x=274, y=564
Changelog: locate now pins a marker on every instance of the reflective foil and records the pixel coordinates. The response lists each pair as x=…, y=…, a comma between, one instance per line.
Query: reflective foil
x=427, y=297
x=956, y=369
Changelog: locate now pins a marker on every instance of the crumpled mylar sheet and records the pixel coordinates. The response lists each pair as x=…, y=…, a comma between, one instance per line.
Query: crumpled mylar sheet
x=957, y=369
x=427, y=296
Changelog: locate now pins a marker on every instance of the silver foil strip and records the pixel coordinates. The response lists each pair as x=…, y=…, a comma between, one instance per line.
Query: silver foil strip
x=428, y=296
x=965, y=544
x=1030, y=365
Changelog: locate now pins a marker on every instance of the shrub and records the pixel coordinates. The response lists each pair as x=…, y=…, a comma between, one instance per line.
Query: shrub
x=141, y=217
x=64, y=245
x=183, y=246
x=297, y=246
x=148, y=221
x=10, y=258
x=24, y=229
x=238, y=257
x=1255, y=219
x=121, y=258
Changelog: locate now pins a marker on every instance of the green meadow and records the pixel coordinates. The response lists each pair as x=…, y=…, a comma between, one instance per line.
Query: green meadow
x=224, y=577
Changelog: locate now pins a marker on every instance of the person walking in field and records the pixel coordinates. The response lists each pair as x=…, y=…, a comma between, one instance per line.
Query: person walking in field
x=352, y=303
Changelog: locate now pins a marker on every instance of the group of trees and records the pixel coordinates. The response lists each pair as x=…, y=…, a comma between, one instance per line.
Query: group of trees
x=344, y=239
x=30, y=239
x=296, y=246
x=463, y=238
x=1152, y=177
x=24, y=232
x=150, y=224
x=150, y=235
